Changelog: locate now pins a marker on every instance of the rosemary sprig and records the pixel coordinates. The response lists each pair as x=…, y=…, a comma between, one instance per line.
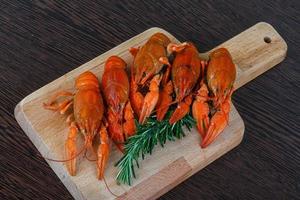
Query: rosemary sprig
x=146, y=138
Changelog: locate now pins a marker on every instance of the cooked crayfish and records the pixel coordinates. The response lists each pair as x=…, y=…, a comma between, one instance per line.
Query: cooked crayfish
x=148, y=63
x=220, y=77
x=186, y=70
x=87, y=118
x=115, y=86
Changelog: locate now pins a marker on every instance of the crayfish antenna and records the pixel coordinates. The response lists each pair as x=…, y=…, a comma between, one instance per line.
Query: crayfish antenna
x=89, y=159
x=167, y=105
x=106, y=185
x=65, y=160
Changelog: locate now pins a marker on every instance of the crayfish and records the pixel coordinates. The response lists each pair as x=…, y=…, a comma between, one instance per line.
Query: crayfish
x=220, y=77
x=186, y=70
x=86, y=118
x=146, y=73
x=115, y=86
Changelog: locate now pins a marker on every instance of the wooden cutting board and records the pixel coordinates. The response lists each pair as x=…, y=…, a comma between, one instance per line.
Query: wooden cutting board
x=254, y=51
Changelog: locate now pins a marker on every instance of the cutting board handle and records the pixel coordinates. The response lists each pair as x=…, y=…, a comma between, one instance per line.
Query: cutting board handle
x=255, y=51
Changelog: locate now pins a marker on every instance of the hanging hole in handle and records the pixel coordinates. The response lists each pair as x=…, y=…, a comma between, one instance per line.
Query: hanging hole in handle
x=267, y=39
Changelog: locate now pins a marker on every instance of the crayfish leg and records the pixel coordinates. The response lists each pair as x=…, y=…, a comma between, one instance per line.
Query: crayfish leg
x=57, y=95
x=61, y=107
x=66, y=106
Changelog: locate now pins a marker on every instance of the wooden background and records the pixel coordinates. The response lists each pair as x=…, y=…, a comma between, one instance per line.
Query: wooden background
x=42, y=40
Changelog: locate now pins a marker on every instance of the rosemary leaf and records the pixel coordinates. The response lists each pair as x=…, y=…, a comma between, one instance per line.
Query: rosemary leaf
x=147, y=136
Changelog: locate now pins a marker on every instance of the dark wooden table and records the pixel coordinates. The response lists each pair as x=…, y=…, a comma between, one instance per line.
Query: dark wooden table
x=42, y=40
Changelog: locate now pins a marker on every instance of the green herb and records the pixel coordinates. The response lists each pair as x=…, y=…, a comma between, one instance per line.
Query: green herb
x=146, y=138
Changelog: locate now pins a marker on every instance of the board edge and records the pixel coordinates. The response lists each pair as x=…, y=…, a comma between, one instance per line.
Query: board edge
x=56, y=167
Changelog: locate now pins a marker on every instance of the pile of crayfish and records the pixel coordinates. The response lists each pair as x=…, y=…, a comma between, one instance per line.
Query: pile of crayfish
x=188, y=83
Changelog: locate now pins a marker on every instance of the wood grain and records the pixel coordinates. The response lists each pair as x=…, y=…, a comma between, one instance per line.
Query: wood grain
x=42, y=40
x=161, y=181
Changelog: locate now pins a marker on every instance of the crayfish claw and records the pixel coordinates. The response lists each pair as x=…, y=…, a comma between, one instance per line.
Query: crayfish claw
x=218, y=123
x=129, y=124
x=71, y=149
x=216, y=126
x=200, y=109
x=164, y=101
x=182, y=109
x=103, y=152
x=150, y=99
